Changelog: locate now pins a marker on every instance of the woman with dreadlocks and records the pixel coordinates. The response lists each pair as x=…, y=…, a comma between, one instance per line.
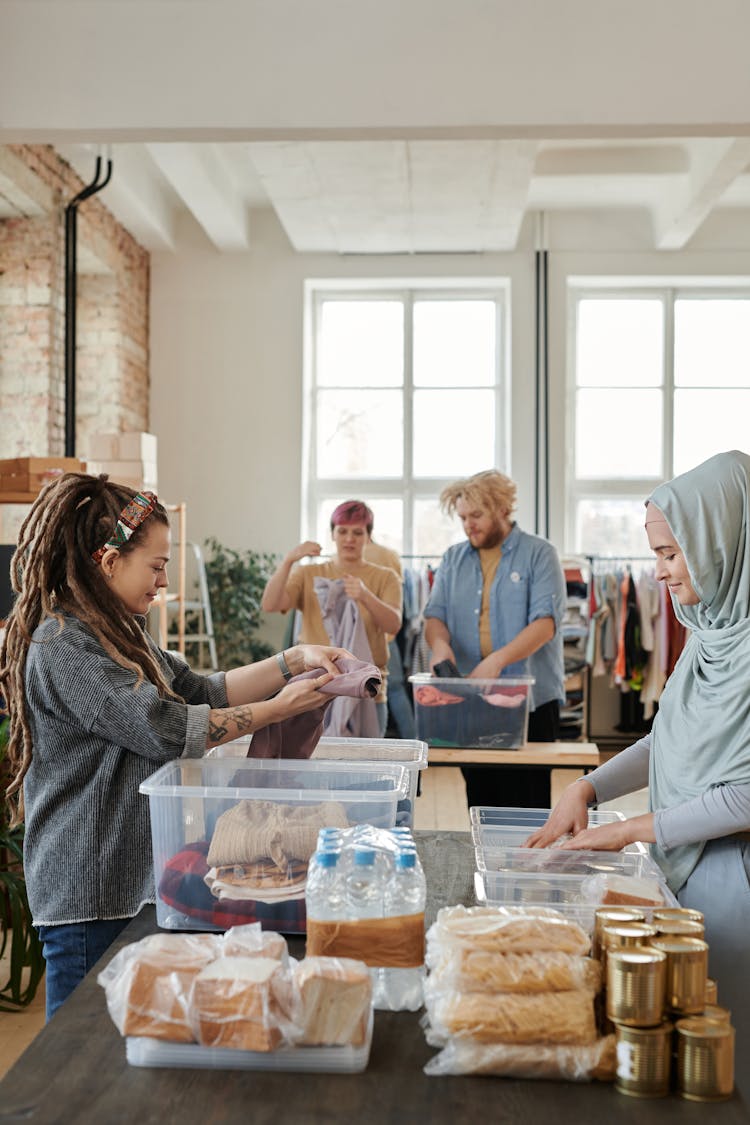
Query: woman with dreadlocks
x=95, y=707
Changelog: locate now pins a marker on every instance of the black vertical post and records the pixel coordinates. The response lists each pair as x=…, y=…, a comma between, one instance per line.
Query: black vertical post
x=71, y=286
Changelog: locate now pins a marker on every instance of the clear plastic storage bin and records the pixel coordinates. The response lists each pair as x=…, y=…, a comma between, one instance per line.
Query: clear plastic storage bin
x=566, y=893
x=510, y=828
x=409, y=753
x=478, y=714
x=556, y=861
x=263, y=880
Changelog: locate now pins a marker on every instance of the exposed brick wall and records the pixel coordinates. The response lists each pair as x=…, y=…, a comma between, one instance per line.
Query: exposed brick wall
x=112, y=317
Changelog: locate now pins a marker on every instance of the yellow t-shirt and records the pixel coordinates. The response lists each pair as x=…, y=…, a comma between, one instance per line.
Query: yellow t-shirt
x=383, y=556
x=381, y=580
x=489, y=560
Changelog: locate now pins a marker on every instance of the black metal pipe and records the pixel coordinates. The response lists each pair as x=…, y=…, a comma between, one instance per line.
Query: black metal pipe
x=71, y=287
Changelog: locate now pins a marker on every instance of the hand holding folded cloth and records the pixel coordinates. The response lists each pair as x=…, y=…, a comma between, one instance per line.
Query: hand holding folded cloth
x=297, y=737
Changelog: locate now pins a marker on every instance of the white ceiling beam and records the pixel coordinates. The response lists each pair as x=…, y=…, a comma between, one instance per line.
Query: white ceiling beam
x=714, y=167
x=199, y=176
x=135, y=194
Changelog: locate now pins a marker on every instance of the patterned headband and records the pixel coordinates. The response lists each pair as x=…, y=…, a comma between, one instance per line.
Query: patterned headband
x=131, y=517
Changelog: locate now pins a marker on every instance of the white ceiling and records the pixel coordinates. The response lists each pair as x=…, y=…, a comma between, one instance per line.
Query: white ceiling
x=413, y=196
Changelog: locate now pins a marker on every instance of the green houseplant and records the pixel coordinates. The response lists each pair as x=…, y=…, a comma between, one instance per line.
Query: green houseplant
x=18, y=938
x=236, y=581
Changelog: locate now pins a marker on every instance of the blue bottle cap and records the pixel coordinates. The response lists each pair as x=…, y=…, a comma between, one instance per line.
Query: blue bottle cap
x=364, y=857
x=327, y=858
x=406, y=858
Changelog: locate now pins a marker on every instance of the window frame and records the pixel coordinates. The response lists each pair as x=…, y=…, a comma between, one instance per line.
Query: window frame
x=407, y=488
x=669, y=291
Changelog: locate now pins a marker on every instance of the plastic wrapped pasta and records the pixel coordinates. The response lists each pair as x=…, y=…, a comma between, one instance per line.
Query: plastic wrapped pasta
x=147, y=983
x=545, y=1017
x=502, y=930
x=583, y=1063
x=469, y=970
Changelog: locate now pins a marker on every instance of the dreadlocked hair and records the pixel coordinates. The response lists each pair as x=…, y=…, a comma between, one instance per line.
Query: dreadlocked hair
x=53, y=572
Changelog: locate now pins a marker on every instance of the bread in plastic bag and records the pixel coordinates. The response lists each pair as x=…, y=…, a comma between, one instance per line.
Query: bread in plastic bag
x=251, y=940
x=242, y=1002
x=622, y=890
x=333, y=997
x=147, y=983
x=583, y=1063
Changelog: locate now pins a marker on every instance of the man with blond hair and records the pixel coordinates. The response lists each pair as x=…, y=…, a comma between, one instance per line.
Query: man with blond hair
x=495, y=609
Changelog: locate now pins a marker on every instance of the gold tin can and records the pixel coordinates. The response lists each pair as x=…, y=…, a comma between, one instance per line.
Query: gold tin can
x=679, y=927
x=636, y=981
x=705, y=1060
x=644, y=1060
x=712, y=991
x=687, y=964
x=625, y=935
x=613, y=916
x=716, y=1014
x=686, y=912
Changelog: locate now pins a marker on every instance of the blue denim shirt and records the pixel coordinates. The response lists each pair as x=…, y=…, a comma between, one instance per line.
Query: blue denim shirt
x=529, y=584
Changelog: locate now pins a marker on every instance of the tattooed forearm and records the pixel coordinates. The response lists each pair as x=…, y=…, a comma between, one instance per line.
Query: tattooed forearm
x=229, y=722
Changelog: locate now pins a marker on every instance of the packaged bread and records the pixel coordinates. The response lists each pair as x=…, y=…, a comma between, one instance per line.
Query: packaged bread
x=470, y=970
x=623, y=890
x=241, y=1002
x=502, y=1017
x=582, y=1063
x=333, y=998
x=251, y=940
x=503, y=929
x=148, y=982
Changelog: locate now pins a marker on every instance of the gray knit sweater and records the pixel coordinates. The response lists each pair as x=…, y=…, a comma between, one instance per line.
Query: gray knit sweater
x=87, y=848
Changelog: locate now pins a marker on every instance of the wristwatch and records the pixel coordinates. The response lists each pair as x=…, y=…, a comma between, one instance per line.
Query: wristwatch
x=283, y=666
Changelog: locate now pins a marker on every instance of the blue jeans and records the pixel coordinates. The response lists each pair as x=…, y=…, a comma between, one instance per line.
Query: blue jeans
x=70, y=951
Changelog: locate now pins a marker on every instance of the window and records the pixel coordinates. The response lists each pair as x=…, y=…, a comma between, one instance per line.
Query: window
x=405, y=391
x=661, y=381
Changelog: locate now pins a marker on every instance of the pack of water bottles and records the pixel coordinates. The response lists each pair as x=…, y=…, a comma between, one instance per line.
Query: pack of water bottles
x=365, y=899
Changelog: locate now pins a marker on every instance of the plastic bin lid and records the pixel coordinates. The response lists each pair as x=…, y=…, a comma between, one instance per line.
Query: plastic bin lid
x=200, y=777
x=445, y=681
x=410, y=752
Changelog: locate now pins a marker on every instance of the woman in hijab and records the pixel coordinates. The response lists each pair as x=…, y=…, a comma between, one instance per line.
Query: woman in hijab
x=696, y=761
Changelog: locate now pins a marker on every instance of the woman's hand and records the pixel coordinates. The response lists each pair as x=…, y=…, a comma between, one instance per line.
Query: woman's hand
x=304, y=550
x=319, y=656
x=304, y=695
x=354, y=587
x=570, y=814
x=615, y=836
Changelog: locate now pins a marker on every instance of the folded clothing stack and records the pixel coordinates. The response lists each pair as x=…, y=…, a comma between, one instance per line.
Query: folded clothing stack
x=511, y=992
x=238, y=990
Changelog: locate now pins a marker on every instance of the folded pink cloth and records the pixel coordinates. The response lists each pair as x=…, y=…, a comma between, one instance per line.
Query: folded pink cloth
x=298, y=736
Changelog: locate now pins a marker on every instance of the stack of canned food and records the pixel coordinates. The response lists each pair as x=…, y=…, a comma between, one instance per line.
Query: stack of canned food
x=670, y=1031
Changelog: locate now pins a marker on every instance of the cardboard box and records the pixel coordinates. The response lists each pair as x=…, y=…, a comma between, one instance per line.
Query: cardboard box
x=135, y=474
x=134, y=446
x=30, y=474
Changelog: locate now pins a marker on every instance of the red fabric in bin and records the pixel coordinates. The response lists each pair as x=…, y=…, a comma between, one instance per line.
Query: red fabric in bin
x=182, y=886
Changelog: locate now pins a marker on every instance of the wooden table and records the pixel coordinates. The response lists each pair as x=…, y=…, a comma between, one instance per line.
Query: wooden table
x=75, y=1073
x=554, y=755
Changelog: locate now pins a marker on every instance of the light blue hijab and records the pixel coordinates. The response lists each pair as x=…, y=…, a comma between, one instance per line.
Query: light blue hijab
x=701, y=734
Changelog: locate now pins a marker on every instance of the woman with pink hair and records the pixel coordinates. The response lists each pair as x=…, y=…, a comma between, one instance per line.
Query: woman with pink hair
x=375, y=590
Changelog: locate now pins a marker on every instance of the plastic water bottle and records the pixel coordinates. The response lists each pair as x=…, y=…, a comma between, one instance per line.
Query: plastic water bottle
x=324, y=890
x=405, y=894
x=364, y=899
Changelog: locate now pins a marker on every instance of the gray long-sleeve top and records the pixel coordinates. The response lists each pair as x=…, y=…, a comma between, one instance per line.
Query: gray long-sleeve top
x=720, y=811
x=87, y=846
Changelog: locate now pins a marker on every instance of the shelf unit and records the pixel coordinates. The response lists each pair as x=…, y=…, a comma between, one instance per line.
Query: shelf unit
x=574, y=714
